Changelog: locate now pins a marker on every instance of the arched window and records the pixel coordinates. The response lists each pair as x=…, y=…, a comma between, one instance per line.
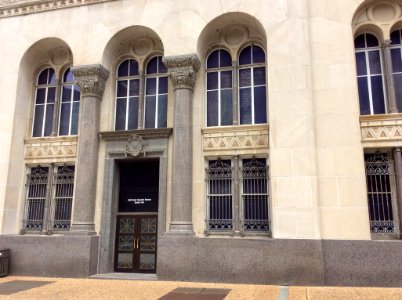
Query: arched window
x=127, y=95
x=369, y=75
x=252, y=86
x=396, y=57
x=219, y=89
x=156, y=94
x=69, y=106
x=45, y=97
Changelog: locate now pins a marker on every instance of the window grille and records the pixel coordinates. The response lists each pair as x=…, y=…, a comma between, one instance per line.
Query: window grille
x=380, y=179
x=63, y=198
x=254, y=196
x=36, y=198
x=219, y=195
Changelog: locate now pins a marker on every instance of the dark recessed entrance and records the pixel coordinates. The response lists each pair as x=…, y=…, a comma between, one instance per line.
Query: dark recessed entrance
x=137, y=217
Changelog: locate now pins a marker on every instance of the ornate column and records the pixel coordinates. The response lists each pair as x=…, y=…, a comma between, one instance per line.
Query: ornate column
x=91, y=79
x=392, y=105
x=182, y=70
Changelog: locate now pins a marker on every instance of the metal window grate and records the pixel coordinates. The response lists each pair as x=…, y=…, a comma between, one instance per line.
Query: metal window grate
x=379, y=177
x=36, y=198
x=63, y=198
x=219, y=195
x=254, y=196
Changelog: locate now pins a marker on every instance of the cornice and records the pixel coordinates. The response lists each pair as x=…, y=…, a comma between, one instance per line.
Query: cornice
x=11, y=8
x=145, y=133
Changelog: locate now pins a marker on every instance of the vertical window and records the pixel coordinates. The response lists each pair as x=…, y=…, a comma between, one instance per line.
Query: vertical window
x=380, y=180
x=156, y=94
x=49, y=198
x=45, y=96
x=252, y=86
x=237, y=196
x=127, y=95
x=396, y=57
x=369, y=75
x=219, y=89
x=69, y=106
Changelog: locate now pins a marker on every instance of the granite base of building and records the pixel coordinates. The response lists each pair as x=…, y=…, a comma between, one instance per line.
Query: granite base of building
x=53, y=256
x=282, y=262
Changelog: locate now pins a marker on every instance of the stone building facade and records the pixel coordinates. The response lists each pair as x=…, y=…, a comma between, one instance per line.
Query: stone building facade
x=238, y=141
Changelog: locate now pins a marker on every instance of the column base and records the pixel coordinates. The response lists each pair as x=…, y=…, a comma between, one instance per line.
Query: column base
x=181, y=229
x=82, y=229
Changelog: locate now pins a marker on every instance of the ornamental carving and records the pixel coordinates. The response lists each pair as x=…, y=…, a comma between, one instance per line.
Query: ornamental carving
x=10, y=8
x=135, y=145
x=182, y=70
x=50, y=149
x=91, y=79
x=380, y=129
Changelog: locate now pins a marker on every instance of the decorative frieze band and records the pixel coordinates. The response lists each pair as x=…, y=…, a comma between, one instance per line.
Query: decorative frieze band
x=182, y=70
x=381, y=129
x=50, y=148
x=235, y=138
x=10, y=8
x=91, y=79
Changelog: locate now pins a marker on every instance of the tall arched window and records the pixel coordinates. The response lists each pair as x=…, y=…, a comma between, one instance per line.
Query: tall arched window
x=156, y=94
x=396, y=57
x=369, y=75
x=219, y=89
x=70, y=105
x=127, y=95
x=45, y=97
x=252, y=86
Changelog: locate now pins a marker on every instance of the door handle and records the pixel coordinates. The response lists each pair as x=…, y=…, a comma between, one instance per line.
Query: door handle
x=138, y=242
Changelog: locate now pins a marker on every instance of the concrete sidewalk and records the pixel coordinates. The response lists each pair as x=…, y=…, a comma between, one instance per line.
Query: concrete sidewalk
x=17, y=287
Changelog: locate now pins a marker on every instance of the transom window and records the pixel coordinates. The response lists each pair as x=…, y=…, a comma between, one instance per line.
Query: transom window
x=237, y=196
x=133, y=109
x=48, y=104
x=239, y=101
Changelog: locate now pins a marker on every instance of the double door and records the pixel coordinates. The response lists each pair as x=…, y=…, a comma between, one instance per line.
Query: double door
x=136, y=243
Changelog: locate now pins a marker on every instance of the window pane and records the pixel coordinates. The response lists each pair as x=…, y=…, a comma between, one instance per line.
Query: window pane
x=133, y=113
x=134, y=87
x=163, y=85
x=259, y=76
x=395, y=37
x=375, y=62
x=37, y=127
x=150, y=106
x=40, y=95
x=244, y=77
x=258, y=55
x=162, y=111
x=74, y=118
x=212, y=80
x=42, y=79
x=120, y=114
x=123, y=69
x=245, y=106
x=363, y=96
x=152, y=67
x=64, y=118
x=213, y=60
x=49, y=119
x=260, y=105
x=52, y=77
x=371, y=40
x=161, y=65
x=122, y=88
x=396, y=60
x=226, y=108
x=76, y=93
x=377, y=94
x=226, y=79
x=226, y=60
x=212, y=108
x=68, y=76
x=361, y=63
x=133, y=67
x=245, y=56
x=398, y=90
x=66, y=93
x=51, y=94
x=360, y=42
x=151, y=86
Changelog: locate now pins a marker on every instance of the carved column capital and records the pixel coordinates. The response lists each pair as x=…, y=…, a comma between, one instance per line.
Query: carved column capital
x=182, y=70
x=91, y=79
